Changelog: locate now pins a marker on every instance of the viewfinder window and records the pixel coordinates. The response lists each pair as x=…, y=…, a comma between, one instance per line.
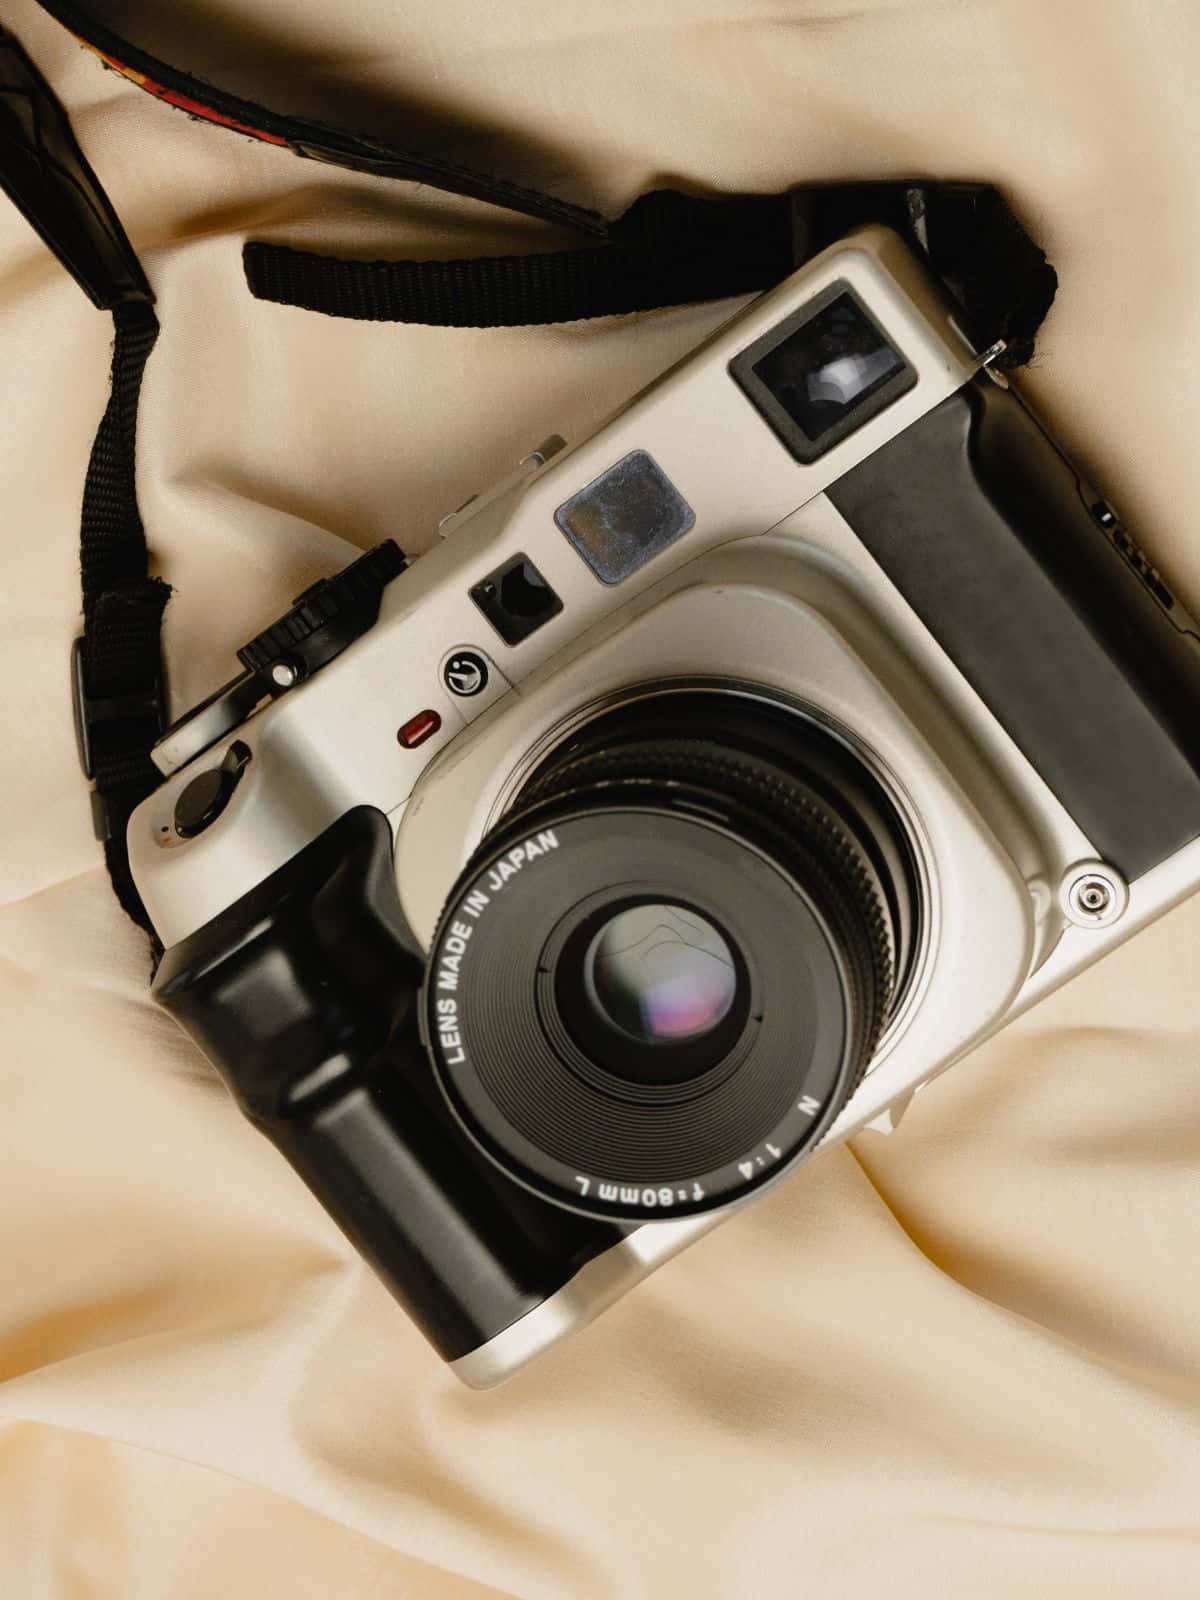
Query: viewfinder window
x=822, y=373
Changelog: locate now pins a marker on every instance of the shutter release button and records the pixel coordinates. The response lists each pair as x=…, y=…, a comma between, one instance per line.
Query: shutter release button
x=207, y=795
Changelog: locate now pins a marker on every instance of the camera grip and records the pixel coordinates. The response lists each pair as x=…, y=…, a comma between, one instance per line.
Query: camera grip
x=303, y=994
x=1045, y=604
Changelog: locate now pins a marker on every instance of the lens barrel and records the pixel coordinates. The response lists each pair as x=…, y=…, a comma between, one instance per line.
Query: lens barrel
x=662, y=976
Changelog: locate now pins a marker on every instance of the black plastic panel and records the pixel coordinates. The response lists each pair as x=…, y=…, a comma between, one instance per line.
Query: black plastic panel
x=988, y=532
x=303, y=995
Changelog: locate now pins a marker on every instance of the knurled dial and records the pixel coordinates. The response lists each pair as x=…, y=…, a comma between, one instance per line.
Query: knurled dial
x=326, y=617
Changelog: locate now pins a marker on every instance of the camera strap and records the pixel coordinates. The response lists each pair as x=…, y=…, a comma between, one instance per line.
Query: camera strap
x=116, y=668
x=666, y=249
x=673, y=249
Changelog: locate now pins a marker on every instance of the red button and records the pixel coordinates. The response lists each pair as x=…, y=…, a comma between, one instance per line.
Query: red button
x=419, y=728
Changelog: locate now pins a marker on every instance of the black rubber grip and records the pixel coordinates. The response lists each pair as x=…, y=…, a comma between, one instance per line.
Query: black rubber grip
x=303, y=995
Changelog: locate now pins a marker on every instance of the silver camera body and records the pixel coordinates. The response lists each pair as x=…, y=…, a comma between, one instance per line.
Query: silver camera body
x=687, y=549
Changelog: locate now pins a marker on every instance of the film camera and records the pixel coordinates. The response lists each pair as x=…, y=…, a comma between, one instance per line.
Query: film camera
x=705, y=791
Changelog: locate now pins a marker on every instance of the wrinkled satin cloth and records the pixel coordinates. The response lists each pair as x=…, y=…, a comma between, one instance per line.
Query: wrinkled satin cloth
x=962, y=1360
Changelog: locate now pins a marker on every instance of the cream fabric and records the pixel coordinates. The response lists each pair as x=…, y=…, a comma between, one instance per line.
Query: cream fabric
x=964, y=1360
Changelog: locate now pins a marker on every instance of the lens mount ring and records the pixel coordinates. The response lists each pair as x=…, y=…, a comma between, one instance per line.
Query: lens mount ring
x=764, y=862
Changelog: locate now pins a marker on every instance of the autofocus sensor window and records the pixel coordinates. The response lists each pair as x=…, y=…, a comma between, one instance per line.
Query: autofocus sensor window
x=822, y=373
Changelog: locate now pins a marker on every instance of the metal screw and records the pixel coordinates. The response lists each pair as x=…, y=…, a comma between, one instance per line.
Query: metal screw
x=283, y=674
x=1093, y=894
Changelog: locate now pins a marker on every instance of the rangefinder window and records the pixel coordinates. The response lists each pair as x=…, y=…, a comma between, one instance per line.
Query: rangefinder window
x=822, y=373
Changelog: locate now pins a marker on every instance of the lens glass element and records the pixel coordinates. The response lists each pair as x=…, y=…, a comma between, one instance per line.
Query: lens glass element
x=660, y=973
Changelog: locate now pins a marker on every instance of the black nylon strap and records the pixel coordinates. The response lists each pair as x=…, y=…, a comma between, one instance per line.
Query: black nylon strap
x=667, y=249
x=120, y=688
x=116, y=663
x=671, y=249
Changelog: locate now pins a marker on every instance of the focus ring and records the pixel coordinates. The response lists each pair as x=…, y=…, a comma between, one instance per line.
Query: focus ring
x=755, y=838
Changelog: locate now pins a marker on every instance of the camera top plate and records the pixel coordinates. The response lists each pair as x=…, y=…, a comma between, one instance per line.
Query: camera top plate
x=330, y=743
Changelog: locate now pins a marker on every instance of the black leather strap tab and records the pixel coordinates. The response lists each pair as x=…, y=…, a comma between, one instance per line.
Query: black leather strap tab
x=304, y=136
x=47, y=177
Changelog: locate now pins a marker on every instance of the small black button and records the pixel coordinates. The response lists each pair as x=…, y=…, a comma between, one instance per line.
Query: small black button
x=1104, y=514
x=206, y=796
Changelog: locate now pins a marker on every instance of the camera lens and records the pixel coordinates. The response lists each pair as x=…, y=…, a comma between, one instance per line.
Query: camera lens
x=663, y=975
x=660, y=972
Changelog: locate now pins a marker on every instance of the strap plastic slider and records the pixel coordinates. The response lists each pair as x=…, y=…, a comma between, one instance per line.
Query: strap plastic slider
x=142, y=705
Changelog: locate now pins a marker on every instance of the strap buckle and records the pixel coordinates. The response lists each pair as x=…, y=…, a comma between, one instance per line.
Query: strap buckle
x=93, y=711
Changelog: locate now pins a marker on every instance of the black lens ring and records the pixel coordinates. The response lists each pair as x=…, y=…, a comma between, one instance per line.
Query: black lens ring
x=731, y=717
x=763, y=821
x=547, y=1128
